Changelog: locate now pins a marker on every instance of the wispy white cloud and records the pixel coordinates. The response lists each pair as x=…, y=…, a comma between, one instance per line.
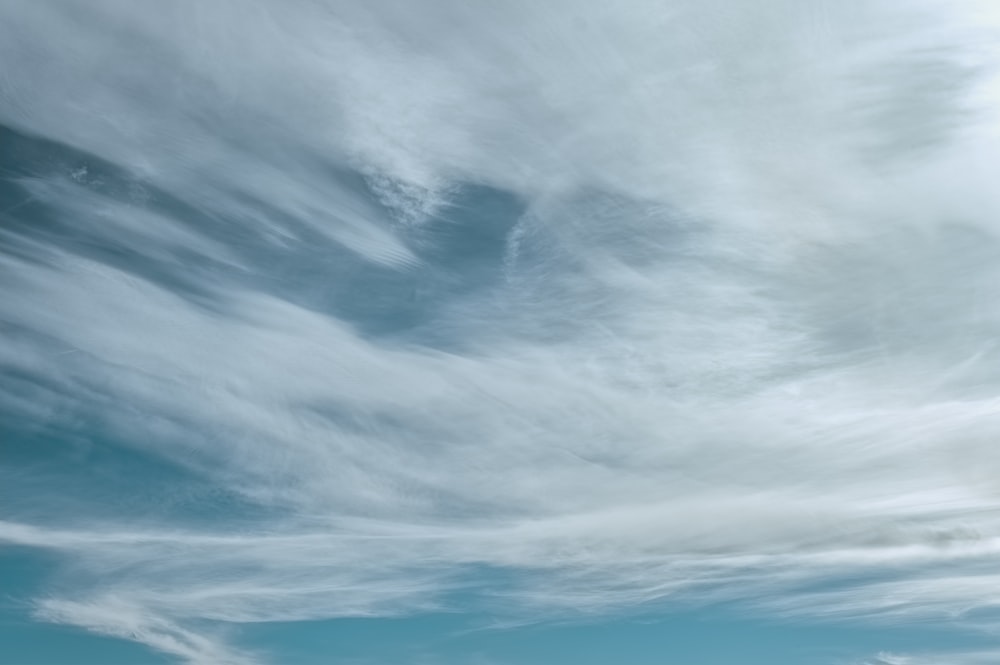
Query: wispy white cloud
x=740, y=341
x=942, y=658
x=114, y=617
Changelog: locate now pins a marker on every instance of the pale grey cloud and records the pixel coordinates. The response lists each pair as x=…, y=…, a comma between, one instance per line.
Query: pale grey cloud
x=740, y=339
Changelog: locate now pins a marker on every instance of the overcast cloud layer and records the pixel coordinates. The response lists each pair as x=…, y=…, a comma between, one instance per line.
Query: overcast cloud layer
x=542, y=308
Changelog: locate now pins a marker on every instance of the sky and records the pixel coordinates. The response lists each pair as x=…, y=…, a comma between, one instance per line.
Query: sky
x=448, y=332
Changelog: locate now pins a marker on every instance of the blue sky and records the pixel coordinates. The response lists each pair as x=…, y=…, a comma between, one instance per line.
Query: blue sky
x=499, y=333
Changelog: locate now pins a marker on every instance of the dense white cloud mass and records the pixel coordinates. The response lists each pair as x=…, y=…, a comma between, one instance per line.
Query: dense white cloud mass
x=556, y=306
